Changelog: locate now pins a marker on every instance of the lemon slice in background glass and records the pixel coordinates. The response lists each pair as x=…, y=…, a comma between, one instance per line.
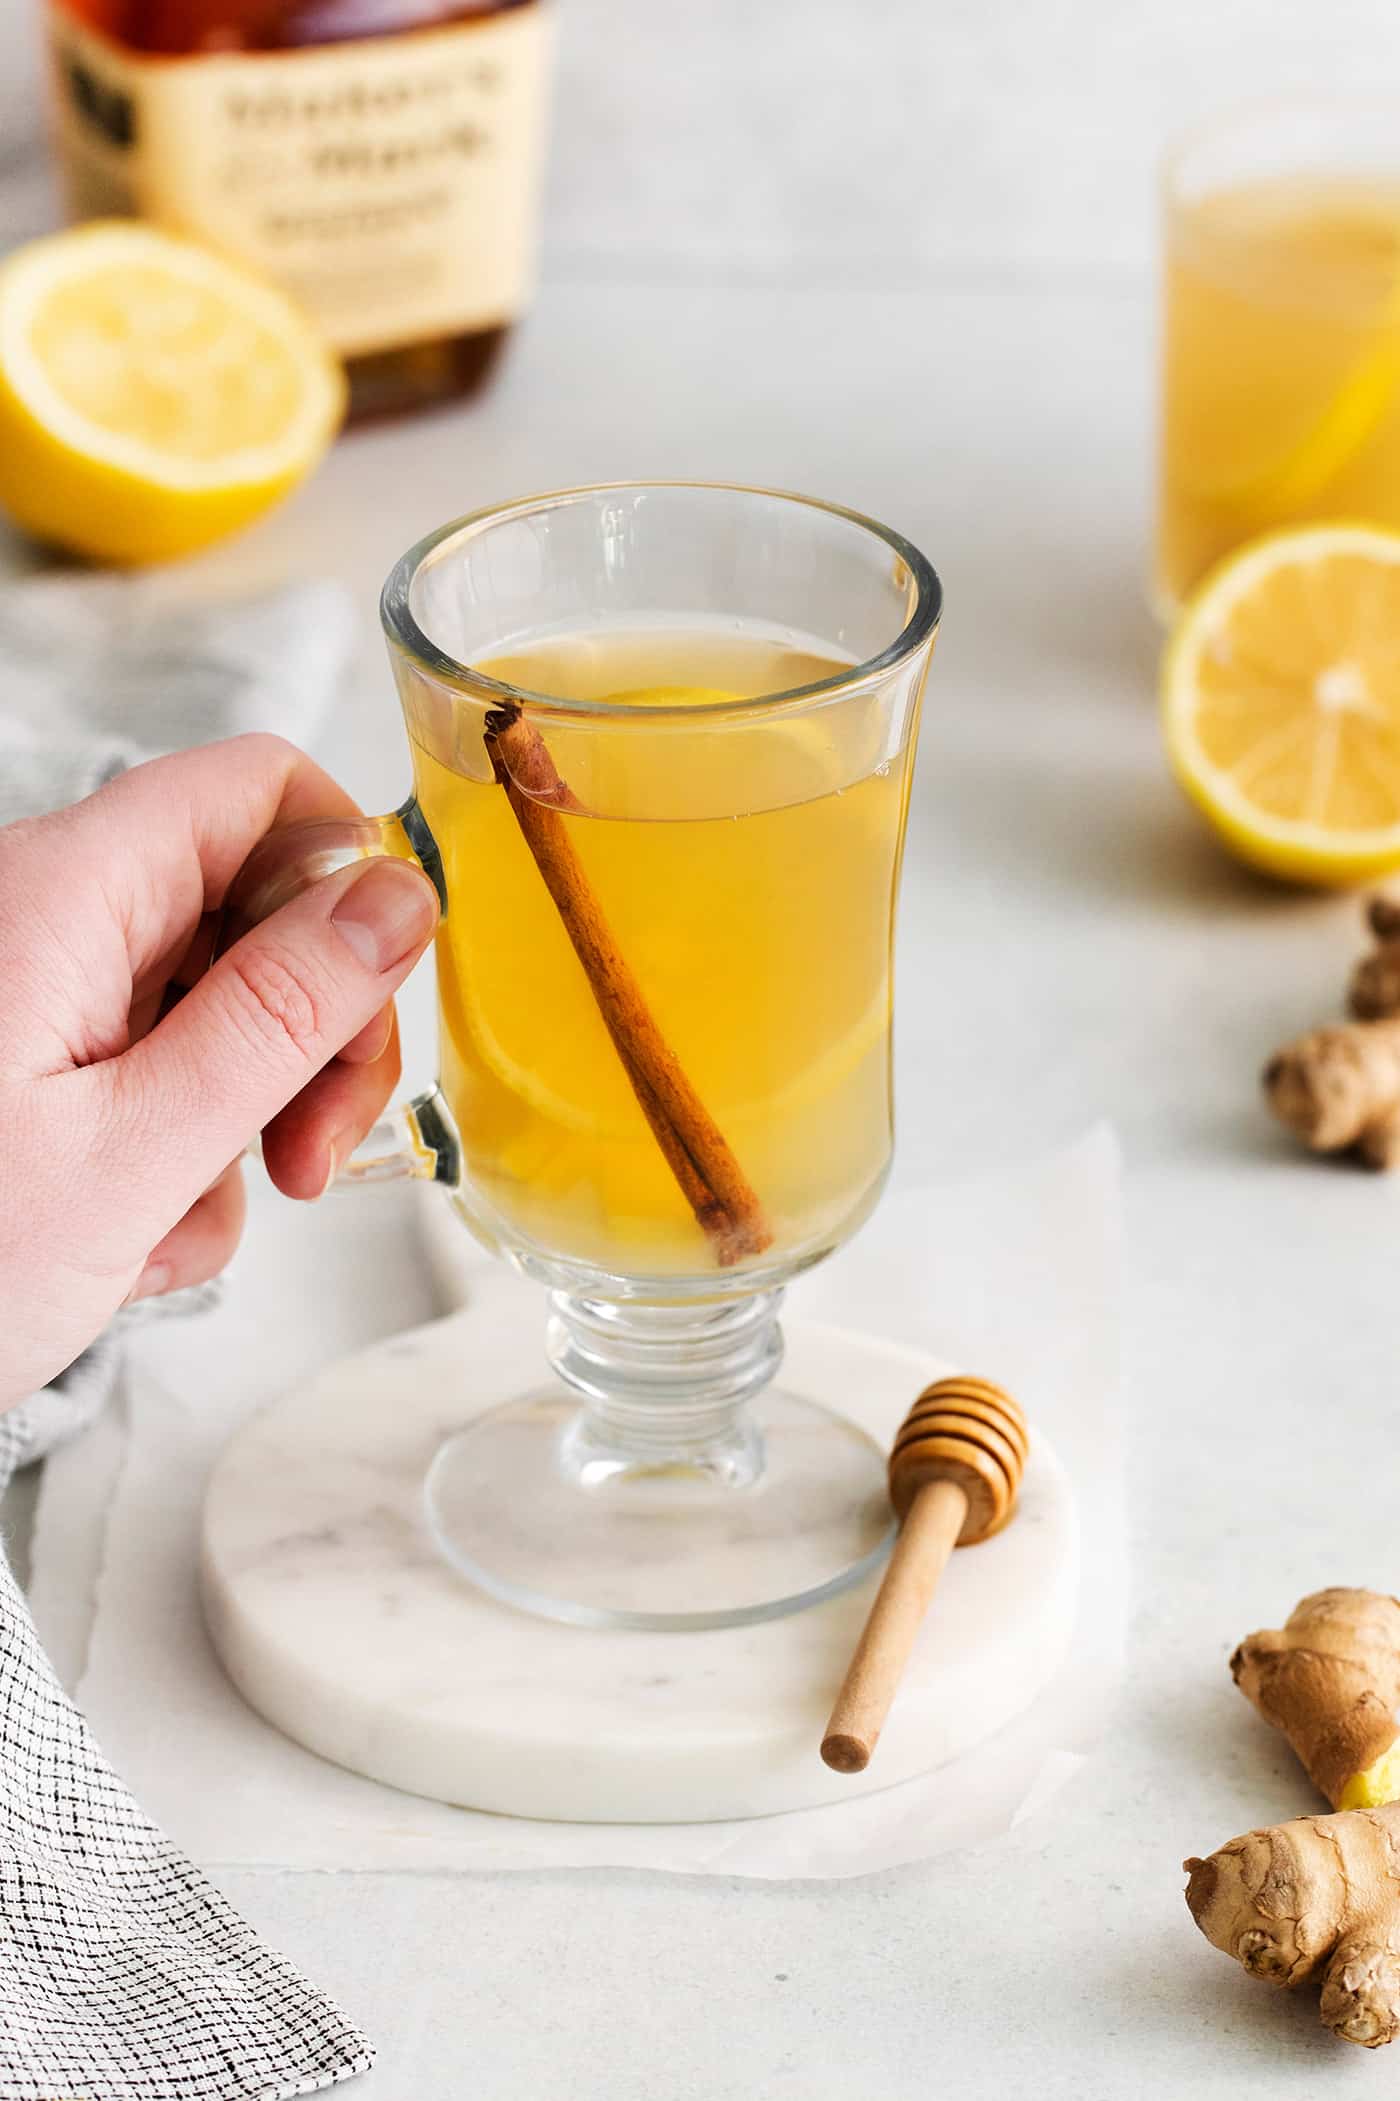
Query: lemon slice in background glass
x=1354, y=413
x=1347, y=257
x=153, y=397
x=1281, y=703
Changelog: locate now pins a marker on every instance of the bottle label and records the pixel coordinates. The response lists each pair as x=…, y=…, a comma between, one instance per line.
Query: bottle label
x=390, y=184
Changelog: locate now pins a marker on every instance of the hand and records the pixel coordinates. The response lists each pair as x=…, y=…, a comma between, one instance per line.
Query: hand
x=133, y=1074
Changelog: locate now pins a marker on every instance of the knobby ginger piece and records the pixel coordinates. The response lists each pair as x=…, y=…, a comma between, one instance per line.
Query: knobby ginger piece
x=1374, y=993
x=1338, y=1087
x=1329, y=1678
x=1317, y=1899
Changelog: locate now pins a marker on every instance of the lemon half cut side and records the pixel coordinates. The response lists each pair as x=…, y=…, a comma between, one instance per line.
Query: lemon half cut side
x=153, y=397
x=1281, y=703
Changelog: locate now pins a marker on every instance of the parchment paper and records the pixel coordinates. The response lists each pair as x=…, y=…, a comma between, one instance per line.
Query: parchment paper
x=1014, y=1274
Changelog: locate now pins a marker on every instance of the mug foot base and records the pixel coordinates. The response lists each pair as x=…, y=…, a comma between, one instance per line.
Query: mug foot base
x=671, y=1546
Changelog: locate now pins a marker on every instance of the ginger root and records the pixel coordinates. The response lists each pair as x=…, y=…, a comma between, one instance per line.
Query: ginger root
x=1329, y=1678
x=1338, y=1088
x=1374, y=993
x=1320, y=1894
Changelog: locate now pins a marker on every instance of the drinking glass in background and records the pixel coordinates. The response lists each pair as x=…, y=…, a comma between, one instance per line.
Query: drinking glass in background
x=1281, y=331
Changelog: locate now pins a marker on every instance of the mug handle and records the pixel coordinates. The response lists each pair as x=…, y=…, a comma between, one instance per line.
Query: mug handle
x=415, y=1140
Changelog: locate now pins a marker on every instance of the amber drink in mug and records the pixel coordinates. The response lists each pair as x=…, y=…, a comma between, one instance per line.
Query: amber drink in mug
x=662, y=739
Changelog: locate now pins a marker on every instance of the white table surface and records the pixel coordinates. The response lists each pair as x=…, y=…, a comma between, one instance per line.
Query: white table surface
x=1072, y=945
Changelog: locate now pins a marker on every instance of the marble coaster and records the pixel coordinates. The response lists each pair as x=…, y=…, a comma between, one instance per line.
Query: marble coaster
x=341, y=1625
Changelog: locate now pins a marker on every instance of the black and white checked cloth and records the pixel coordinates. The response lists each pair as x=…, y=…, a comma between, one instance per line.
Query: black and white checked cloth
x=124, y=1975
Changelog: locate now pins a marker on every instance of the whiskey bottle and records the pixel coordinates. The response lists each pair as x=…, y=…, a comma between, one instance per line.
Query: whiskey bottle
x=380, y=158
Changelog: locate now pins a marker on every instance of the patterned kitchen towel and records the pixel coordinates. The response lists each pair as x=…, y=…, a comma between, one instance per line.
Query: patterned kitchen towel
x=98, y=671
x=124, y=1975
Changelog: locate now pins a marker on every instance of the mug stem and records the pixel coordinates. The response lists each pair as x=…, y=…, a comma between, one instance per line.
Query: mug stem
x=665, y=1388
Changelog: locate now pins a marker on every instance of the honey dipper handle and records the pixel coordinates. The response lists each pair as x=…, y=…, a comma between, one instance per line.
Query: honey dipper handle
x=929, y=1534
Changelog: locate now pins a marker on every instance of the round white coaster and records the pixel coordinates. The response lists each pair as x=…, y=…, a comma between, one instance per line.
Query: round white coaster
x=339, y=1622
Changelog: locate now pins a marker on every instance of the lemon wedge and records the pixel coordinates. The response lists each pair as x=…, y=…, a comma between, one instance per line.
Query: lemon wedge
x=153, y=397
x=1281, y=703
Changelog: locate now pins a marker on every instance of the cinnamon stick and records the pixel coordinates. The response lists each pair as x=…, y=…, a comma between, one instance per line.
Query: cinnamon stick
x=694, y=1147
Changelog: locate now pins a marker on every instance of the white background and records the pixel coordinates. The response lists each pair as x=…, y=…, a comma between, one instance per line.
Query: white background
x=901, y=255
x=850, y=141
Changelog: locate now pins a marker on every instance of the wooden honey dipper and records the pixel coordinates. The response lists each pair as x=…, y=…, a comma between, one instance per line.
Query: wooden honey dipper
x=955, y=1474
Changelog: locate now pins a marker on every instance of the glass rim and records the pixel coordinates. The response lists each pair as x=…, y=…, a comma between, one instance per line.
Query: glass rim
x=404, y=633
x=1238, y=117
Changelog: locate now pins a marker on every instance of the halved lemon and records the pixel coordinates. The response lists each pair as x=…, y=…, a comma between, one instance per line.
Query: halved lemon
x=153, y=397
x=1281, y=703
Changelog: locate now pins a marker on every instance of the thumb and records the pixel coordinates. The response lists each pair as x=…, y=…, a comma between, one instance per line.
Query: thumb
x=270, y=1013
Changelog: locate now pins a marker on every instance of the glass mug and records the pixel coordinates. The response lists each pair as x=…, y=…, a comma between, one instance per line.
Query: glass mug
x=1280, y=332
x=662, y=739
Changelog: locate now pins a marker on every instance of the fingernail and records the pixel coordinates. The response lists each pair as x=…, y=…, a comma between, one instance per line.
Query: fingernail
x=332, y=1169
x=386, y=914
x=372, y=1041
x=153, y=1280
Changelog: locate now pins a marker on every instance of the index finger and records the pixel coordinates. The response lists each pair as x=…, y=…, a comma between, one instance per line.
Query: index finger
x=167, y=838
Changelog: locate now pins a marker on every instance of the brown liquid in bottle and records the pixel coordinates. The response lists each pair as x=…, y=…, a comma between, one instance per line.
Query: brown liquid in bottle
x=383, y=382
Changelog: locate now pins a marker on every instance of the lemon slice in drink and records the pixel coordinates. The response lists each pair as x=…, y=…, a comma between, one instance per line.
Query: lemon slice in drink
x=1281, y=703
x=616, y=1118
x=571, y=1077
x=819, y=1079
x=153, y=397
